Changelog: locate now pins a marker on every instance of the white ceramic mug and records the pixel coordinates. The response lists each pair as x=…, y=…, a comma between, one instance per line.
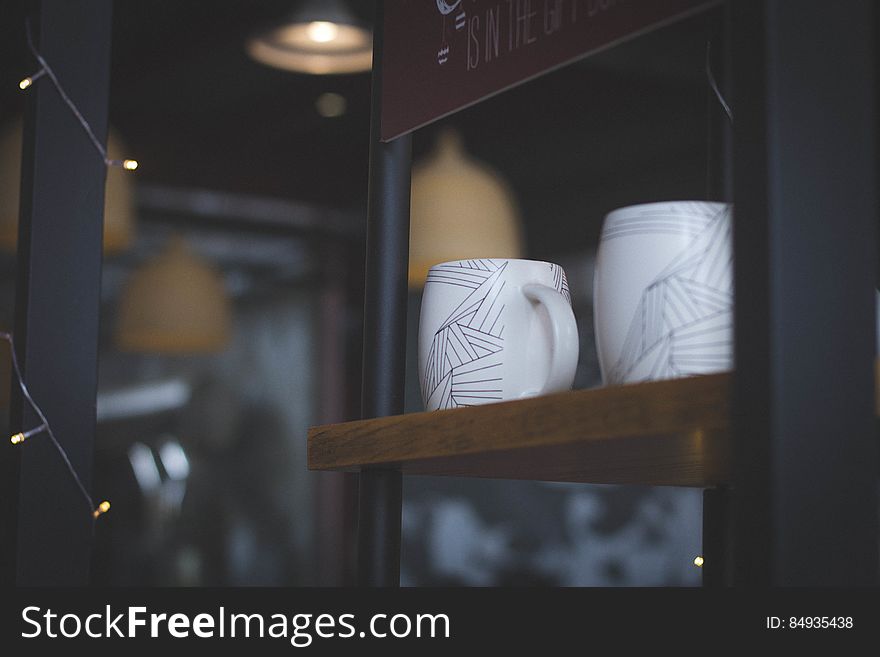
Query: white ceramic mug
x=495, y=329
x=663, y=291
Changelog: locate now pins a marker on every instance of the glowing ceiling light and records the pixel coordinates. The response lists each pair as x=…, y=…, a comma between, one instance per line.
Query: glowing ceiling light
x=320, y=38
x=322, y=31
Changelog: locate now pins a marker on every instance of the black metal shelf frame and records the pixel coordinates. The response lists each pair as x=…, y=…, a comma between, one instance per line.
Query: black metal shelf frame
x=803, y=505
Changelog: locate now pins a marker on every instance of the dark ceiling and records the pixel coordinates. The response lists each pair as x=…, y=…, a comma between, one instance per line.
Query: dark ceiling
x=624, y=126
x=197, y=111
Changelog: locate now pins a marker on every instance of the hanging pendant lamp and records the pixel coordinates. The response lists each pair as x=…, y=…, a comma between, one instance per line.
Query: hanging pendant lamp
x=176, y=303
x=118, y=193
x=321, y=37
x=460, y=209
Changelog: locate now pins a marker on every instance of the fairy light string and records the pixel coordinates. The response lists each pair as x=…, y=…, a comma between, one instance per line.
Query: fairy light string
x=713, y=84
x=46, y=428
x=46, y=70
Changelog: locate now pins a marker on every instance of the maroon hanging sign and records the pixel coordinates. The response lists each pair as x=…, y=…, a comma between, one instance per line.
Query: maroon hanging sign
x=443, y=55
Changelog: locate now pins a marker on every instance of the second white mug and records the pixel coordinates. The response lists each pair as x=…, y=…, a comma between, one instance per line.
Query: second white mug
x=663, y=291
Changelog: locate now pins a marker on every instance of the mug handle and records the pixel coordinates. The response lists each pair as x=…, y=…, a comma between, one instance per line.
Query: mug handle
x=565, y=346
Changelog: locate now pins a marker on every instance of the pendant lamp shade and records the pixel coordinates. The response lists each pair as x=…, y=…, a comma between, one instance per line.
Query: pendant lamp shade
x=460, y=209
x=118, y=192
x=176, y=303
x=321, y=37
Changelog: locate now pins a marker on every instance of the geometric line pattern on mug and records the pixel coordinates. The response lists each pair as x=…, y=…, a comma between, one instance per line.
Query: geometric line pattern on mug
x=463, y=367
x=560, y=282
x=686, y=219
x=683, y=323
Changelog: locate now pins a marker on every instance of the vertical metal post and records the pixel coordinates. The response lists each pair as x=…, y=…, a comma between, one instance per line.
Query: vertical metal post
x=805, y=462
x=384, y=332
x=46, y=526
x=717, y=548
x=718, y=123
x=716, y=544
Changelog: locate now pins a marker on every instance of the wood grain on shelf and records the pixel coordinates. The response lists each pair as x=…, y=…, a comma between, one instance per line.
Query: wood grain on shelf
x=659, y=433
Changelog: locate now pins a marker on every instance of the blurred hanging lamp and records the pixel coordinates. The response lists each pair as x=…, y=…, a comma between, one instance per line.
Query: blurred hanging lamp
x=118, y=192
x=460, y=208
x=176, y=303
x=321, y=37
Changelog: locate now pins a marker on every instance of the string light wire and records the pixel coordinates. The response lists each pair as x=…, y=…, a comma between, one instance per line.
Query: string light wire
x=710, y=76
x=128, y=164
x=47, y=428
x=46, y=70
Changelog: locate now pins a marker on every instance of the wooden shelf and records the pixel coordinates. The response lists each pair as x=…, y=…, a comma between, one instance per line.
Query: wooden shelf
x=660, y=433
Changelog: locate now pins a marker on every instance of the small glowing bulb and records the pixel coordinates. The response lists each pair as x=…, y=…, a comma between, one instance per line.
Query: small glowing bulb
x=103, y=507
x=131, y=165
x=24, y=84
x=21, y=437
x=698, y=562
x=322, y=31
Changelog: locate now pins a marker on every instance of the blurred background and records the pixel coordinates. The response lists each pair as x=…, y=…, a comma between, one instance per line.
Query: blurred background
x=233, y=281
